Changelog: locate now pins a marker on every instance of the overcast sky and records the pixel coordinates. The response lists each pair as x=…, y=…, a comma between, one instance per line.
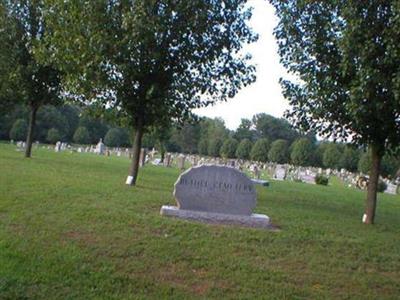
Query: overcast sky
x=265, y=94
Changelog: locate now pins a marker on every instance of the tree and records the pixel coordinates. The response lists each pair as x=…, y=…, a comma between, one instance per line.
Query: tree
x=390, y=165
x=189, y=135
x=49, y=117
x=162, y=135
x=244, y=131
x=228, y=149
x=8, y=118
x=302, y=152
x=346, y=56
x=19, y=130
x=331, y=156
x=53, y=136
x=279, y=152
x=350, y=158
x=153, y=61
x=81, y=136
x=214, y=147
x=260, y=150
x=388, y=168
x=273, y=128
x=116, y=137
x=71, y=115
x=319, y=153
x=96, y=127
x=203, y=146
x=244, y=148
x=10, y=92
x=38, y=83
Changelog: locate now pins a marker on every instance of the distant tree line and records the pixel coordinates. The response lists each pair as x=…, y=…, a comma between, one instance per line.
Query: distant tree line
x=67, y=123
x=264, y=139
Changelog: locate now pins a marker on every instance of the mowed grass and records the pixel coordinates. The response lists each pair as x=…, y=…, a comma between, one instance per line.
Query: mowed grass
x=71, y=229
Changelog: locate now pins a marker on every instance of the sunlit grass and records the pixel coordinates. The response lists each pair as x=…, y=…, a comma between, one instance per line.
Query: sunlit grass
x=70, y=228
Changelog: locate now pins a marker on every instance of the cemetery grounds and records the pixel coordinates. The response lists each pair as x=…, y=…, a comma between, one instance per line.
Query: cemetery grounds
x=70, y=228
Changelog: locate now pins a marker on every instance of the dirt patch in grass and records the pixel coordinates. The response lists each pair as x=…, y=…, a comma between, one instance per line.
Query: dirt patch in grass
x=17, y=229
x=85, y=238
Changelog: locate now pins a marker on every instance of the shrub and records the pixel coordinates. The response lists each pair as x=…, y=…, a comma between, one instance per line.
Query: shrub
x=53, y=136
x=364, y=164
x=331, y=156
x=279, y=152
x=214, y=147
x=228, y=148
x=260, y=150
x=81, y=136
x=19, y=130
x=116, y=137
x=321, y=179
x=202, y=147
x=244, y=148
x=382, y=186
x=302, y=152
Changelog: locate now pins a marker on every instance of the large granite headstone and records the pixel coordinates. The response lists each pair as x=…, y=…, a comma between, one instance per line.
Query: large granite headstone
x=216, y=194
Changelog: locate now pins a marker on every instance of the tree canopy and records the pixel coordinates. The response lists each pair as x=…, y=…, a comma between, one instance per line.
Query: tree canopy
x=35, y=83
x=345, y=56
x=154, y=61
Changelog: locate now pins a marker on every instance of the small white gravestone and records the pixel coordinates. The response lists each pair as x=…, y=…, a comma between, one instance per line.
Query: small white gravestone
x=156, y=161
x=216, y=194
x=58, y=147
x=391, y=189
x=100, y=147
x=280, y=173
x=307, y=177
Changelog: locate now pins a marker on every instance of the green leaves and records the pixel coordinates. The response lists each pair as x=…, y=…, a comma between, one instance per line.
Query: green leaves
x=157, y=60
x=347, y=60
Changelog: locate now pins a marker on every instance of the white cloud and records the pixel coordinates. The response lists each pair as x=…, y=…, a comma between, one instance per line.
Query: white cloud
x=265, y=94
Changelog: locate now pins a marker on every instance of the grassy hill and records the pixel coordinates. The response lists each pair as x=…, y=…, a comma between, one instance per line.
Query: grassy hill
x=71, y=229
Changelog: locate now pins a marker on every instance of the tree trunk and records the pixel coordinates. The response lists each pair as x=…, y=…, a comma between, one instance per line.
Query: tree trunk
x=137, y=144
x=370, y=204
x=31, y=129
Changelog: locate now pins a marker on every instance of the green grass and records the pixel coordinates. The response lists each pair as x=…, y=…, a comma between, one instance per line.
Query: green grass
x=71, y=229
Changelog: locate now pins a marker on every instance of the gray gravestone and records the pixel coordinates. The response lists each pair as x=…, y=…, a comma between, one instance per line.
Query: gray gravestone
x=181, y=162
x=167, y=160
x=216, y=194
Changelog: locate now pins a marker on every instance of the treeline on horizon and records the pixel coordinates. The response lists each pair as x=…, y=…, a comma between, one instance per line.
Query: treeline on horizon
x=264, y=138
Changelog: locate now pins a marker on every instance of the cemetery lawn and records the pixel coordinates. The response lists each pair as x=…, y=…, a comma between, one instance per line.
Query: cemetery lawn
x=70, y=228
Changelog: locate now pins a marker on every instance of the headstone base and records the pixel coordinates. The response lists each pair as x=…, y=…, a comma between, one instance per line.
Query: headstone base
x=254, y=220
x=260, y=182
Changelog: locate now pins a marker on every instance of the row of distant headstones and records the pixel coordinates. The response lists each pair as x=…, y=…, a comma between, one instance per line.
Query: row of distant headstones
x=276, y=171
